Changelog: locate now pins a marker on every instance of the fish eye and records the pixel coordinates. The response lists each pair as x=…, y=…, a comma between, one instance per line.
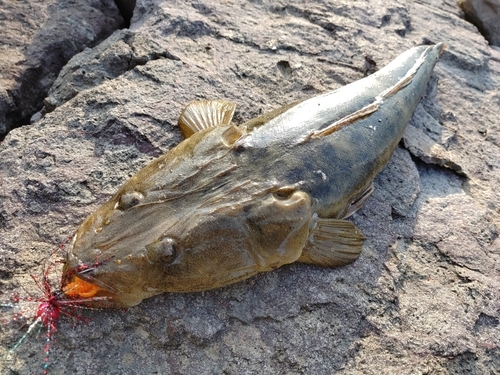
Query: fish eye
x=129, y=200
x=283, y=193
x=163, y=250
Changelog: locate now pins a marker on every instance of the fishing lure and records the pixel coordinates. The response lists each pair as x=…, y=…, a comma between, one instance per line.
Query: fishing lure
x=55, y=301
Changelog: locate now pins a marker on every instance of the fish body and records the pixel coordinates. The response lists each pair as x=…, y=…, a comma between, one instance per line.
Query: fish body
x=232, y=201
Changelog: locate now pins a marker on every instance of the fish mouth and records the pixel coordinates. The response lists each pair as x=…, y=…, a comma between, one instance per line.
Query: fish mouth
x=81, y=287
x=79, y=283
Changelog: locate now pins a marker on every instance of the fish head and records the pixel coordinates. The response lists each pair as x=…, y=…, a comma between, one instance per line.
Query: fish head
x=217, y=229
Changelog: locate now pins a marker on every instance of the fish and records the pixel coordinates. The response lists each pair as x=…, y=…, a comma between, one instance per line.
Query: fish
x=232, y=201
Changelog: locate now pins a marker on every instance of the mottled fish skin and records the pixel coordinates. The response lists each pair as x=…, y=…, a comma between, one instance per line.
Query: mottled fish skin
x=335, y=169
x=229, y=202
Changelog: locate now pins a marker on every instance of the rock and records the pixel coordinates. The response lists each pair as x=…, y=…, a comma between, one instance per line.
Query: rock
x=126, y=8
x=38, y=40
x=118, y=54
x=424, y=295
x=485, y=14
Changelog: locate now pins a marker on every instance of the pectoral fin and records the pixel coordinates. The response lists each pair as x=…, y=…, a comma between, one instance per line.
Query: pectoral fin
x=205, y=114
x=332, y=243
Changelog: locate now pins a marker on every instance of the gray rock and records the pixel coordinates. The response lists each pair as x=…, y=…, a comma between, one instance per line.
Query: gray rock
x=118, y=54
x=37, y=40
x=422, y=298
x=485, y=14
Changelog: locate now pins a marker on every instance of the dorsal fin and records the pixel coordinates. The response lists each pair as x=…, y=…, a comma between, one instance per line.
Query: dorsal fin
x=205, y=114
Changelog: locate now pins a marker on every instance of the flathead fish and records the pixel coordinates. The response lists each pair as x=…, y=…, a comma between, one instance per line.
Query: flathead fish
x=232, y=201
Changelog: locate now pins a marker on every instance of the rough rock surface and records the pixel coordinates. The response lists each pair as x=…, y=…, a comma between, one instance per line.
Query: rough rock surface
x=485, y=14
x=424, y=296
x=37, y=40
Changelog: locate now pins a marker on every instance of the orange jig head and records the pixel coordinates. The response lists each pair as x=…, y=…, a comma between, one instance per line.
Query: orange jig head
x=79, y=288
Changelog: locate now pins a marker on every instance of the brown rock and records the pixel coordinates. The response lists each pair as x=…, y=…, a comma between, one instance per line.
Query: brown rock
x=424, y=295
